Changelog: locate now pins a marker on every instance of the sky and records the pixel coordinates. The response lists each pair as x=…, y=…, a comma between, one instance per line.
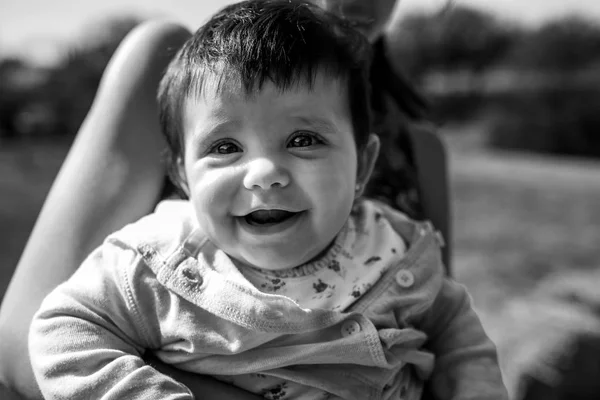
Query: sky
x=34, y=28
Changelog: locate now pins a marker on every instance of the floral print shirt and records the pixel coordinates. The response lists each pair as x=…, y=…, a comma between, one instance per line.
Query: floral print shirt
x=356, y=260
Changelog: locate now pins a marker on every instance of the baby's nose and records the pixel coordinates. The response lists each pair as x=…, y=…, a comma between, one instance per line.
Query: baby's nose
x=264, y=173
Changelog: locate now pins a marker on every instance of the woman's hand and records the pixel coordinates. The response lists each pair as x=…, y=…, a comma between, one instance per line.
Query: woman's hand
x=203, y=387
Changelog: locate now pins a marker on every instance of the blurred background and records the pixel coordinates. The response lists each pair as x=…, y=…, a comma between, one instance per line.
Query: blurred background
x=514, y=87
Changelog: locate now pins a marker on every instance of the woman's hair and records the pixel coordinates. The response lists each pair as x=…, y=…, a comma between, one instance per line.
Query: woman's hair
x=251, y=42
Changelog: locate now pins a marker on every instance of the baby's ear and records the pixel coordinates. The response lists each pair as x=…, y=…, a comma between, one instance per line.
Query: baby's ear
x=366, y=163
x=179, y=177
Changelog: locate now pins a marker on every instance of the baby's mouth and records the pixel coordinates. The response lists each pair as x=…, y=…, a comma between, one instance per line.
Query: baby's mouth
x=268, y=217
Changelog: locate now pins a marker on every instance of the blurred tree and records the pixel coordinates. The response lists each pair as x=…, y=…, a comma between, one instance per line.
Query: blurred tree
x=554, y=107
x=74, y=82
x=472, y=39
x=564, y=45
x=449, y=52
x=460, y=38
x=562, y=121
x=42, y=102
x=10, y=97
x=19, y=82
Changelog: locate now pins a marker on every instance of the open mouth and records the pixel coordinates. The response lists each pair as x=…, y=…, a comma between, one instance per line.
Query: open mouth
x=268, y=217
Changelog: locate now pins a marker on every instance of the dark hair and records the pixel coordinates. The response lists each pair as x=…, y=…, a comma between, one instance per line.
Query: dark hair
x=286, y=42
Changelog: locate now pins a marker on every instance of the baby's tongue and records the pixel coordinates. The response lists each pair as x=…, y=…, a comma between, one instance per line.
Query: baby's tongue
x=268, y=216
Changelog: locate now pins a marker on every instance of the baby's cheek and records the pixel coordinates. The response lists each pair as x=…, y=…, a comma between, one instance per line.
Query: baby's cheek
x=215, y=188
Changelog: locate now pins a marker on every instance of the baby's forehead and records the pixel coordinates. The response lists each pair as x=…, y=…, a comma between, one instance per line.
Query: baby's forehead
x=228, y=83
x=322, y=99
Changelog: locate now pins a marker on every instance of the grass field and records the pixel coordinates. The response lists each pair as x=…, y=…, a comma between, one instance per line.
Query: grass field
x=526, y=234
x=519, y=220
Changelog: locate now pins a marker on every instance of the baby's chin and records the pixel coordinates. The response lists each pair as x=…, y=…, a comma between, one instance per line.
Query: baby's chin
x=274, y=261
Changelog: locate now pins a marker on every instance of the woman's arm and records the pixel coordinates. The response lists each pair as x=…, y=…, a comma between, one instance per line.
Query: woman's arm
x=111, y=177
x=203, y=387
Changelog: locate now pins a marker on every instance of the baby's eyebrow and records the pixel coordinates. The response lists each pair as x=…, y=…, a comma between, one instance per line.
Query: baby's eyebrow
x=323, y=124
x=215, y=129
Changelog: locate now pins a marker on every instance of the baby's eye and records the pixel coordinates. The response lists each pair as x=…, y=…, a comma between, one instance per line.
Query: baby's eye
x=304, y=140
x=225, y=148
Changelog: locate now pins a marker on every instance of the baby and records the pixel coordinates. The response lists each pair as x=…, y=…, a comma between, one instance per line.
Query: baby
x=273, y=275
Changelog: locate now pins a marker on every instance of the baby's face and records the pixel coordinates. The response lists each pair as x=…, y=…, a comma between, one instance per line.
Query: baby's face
x=271, y=176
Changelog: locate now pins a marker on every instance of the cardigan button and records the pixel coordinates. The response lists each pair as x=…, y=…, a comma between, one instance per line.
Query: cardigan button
x=405, y=278
x=350, y=327
x=191, y=275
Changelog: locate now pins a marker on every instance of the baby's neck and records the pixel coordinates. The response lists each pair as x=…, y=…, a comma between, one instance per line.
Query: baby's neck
x=307, y=268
